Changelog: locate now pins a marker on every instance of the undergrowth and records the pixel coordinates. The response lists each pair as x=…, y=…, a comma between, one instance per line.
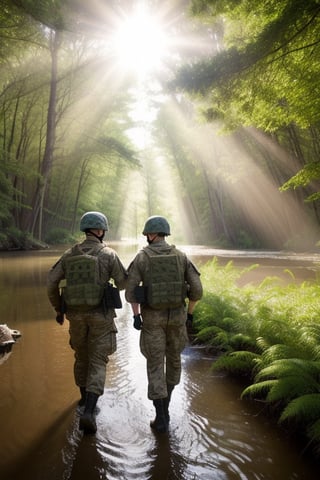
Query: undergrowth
x=271, y=334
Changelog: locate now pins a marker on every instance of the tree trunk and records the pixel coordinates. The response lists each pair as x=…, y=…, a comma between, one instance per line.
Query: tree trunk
x=50, y=139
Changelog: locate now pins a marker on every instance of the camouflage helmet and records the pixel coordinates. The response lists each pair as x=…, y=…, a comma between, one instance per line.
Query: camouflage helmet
x=156, y=224
x=93, y=221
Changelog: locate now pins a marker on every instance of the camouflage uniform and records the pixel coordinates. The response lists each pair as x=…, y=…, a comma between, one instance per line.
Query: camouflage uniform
x=163, y=335
x=93, y=333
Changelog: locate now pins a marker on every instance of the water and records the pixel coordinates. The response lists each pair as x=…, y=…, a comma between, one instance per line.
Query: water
x=213, y=434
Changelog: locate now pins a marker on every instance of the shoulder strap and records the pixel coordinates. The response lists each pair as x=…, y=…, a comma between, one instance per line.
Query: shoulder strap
x=78, y=250
x=149, y=253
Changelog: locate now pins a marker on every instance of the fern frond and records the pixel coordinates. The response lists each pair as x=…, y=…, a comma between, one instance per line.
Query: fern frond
x=287, y=388
x=269, y=281
x=276, y=331
x=207, y=334
x=304, y=409
x=262, y=343
x=291, y=366
x=258, y=390
x=281, y=351
x=310, y=335
x=239, y=341
x=241, y=363
x=289, y=272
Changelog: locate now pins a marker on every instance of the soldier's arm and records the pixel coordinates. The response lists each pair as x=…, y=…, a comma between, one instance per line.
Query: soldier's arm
x=119, y=274
x=134, y=280
x=55, y=275
x=195, y=285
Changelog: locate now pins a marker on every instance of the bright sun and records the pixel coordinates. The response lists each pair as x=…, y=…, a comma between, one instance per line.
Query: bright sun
x=139, y=43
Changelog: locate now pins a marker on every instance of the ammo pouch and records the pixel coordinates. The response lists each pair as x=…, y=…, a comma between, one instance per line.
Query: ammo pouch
x=111, y=297
x=165, y=285
x=140, y=294
x=82, y=291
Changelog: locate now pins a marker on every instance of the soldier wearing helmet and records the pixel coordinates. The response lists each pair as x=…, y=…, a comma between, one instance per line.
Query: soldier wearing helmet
x=82, y=274
x=163, y=288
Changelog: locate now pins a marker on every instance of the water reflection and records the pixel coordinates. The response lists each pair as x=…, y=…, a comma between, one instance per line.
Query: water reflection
x=213, y=434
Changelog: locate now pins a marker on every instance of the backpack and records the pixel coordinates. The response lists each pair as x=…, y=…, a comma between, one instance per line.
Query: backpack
x=166, y=287
x=83, y=291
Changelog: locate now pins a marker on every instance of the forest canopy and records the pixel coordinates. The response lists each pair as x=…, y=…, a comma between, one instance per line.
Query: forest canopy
x=215, y=125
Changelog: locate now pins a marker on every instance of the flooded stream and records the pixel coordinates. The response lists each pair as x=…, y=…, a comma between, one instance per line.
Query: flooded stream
x=213, y=434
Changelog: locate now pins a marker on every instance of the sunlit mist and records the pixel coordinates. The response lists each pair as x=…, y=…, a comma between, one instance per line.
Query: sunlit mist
x=227, y=174
x=139, y=42
x=202, y=180
x=232, y=173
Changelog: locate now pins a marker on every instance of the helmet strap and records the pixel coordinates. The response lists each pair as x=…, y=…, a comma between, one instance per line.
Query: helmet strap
x=100, y=238
x=149, y=239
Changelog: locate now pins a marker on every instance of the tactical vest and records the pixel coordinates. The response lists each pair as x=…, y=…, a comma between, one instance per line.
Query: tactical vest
x=166, y=287
x=83, y=291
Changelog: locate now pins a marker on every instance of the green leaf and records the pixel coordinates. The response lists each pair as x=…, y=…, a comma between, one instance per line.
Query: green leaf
x=305, y=409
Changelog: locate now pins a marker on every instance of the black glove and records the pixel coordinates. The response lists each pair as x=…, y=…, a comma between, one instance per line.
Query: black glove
x=60, y=318
x=137, y=321
x=189, y=322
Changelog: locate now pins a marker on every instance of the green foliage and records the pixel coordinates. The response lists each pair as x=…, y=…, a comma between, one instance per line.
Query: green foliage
x=268, y=49
x=271, y=335
x=304, y=177
x=48, y=12
x=236, y=363
x=304, y=409
x=57, y=236
x=263, y=75
x=15, y=239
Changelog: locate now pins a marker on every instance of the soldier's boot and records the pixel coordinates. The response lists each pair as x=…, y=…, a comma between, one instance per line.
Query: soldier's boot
x=87, y=419
x=159, y=424
x=166, y=402
x=83, y=393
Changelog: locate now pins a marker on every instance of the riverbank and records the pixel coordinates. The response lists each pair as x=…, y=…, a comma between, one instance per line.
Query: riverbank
x=19, y=241
x=212, y=431
x=268, y=333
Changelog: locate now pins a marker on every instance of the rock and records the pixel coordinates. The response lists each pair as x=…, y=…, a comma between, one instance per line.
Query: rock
x=8, y=338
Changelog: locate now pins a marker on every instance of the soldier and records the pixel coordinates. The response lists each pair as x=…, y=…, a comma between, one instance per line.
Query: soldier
x=160, y=278
x=81, y=274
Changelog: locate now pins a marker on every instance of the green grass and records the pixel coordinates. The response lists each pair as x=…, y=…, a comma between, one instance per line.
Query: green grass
x=270, y=334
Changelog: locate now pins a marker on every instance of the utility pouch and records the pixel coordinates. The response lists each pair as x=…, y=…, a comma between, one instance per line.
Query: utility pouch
x=140, y=294
x=166, y=285
x=112, y=297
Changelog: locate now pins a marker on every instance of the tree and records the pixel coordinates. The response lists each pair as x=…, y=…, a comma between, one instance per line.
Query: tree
x=40, y=128
x=265, y=77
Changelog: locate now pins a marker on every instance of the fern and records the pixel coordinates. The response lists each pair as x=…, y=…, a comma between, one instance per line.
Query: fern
x=304, y=409
x=282, y=351
x=239, y=341
x=290, y=387
x=207, y=334
x=237, y=363
x=292, y=366
x=271, y=333
x=258, y=390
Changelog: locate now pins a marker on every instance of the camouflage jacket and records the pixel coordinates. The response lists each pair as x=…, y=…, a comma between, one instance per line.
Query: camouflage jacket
x=138, y=271
x=110, y=268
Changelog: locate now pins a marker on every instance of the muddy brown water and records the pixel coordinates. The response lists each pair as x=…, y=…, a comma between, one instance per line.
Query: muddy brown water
x=213, y=434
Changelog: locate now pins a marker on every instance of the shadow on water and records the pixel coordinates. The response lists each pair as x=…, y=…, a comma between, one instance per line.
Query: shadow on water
x=42, y=451
x=213, y=434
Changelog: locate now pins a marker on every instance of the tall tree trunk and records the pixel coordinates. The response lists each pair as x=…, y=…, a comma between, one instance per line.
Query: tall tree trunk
x=82, y=179
x=50, y=138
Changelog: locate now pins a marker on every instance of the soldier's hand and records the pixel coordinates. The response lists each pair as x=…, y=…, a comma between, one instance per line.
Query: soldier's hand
x=60, y=318
x=189, y=322
x=137, y=321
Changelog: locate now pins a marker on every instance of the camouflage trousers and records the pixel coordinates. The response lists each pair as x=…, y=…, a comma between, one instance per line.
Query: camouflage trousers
x=162, y=339
x=93, y=339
